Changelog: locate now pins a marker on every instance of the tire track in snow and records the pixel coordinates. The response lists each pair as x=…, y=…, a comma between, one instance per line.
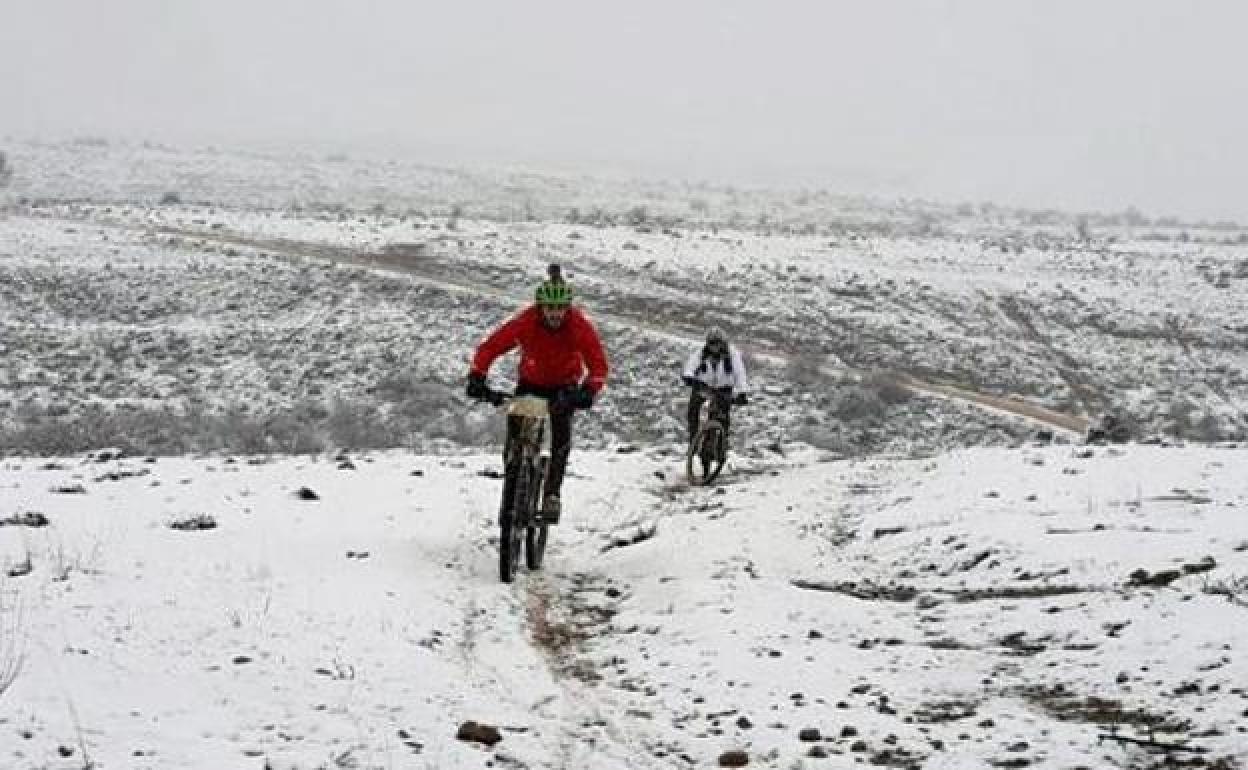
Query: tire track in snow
x=502, y=655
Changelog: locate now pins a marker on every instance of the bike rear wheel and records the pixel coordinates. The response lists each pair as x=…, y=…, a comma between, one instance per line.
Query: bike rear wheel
x=706, y=455
x=538, y=530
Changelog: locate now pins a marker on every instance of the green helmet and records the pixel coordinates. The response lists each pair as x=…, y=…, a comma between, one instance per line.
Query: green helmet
x=553, y=291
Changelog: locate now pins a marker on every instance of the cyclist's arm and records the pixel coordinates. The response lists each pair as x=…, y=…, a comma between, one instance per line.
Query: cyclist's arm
x=740, y=384
x=498, y=343
x=594, y=356
x=690, y=372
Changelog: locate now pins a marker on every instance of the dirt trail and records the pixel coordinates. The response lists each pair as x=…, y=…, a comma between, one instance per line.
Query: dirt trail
x=1010, y=404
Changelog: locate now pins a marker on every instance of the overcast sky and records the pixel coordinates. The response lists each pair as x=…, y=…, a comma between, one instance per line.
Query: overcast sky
x=1076, y=104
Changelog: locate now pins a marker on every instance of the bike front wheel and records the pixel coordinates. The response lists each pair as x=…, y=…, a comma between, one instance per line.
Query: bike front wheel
x=512, y=523
x=706, y=455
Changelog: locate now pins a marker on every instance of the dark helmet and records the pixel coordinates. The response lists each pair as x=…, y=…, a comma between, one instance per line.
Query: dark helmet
x=716, y=342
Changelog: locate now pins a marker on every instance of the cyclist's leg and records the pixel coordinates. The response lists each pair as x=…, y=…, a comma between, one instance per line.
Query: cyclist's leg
x=695, y=411
x=560, y=448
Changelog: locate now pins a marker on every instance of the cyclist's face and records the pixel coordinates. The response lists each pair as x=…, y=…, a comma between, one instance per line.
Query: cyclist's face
x=553, y=315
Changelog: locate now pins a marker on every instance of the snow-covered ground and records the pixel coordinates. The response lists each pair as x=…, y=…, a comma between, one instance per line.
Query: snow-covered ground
x=1005, y=608
x=908, y=563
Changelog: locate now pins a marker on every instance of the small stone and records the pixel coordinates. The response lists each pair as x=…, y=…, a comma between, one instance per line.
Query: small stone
x=472, y=732
x=809, y=734
x=734, y=758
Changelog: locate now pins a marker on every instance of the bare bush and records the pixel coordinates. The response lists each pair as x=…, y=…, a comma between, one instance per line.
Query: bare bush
x=1190, y=421
x=1235, y=589
x=12, y=652
x=804, y=370
x=826, y=437
x=467, y=428
x=859, y=402
x=357, y=425
x=6, y=171
x=239, y=431
x=889, y=388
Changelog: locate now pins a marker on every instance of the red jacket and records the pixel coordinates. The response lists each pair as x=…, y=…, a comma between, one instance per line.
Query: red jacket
x=548, y=357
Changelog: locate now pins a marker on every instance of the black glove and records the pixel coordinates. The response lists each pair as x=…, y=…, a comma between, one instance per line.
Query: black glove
x=582, y=397
x=572, y=397
x=741, y=399
x=689, y=381
x=476, y=387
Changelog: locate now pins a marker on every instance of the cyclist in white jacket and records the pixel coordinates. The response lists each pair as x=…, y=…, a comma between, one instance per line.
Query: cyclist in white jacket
x=717, y=365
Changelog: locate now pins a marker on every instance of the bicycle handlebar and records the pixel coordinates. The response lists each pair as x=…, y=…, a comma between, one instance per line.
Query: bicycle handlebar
x=496, y=397
x=500, y=397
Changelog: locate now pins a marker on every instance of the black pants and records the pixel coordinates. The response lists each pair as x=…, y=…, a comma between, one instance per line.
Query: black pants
x=560, y=434
x=696, y=398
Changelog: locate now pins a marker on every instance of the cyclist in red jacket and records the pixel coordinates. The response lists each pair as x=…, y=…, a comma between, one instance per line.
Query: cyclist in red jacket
x=561, y=360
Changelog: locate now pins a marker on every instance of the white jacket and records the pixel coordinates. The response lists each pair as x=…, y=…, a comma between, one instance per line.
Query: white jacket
x=715, y=374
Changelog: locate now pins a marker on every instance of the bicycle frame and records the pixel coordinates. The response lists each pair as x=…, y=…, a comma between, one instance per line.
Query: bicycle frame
x=715, y=407
x=532, y=413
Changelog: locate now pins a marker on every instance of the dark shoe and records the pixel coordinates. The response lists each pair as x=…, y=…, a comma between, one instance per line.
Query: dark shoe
x=551, y=510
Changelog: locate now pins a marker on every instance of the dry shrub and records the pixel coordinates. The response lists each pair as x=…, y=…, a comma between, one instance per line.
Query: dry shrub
x=858, y=402
x=12, y=655
x=888, y=388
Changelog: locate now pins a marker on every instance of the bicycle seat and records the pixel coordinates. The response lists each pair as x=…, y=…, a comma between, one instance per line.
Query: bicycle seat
x=528, y=406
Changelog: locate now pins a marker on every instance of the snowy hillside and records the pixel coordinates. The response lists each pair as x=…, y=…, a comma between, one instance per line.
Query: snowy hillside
x=987, y=608
x=342, y=323
x=286, y=556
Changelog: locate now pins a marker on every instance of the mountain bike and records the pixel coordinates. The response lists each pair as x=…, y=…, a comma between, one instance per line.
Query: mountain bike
x=525, y=462
x=708, y=451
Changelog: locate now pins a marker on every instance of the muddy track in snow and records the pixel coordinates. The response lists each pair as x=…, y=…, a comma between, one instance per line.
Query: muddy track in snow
x=426, y=265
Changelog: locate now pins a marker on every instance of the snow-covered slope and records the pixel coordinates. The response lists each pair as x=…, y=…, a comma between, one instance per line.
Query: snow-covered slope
x=363, y=297
x=910, y=563
x=982, y=608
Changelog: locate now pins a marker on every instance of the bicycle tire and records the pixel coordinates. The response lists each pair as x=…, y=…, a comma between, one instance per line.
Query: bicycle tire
x=511, y=523
x=700, y=462
x=538, y=531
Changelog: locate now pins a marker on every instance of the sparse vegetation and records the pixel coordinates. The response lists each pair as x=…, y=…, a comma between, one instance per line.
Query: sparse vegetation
x=12, y=650
x=1234, y=588
x=324, y=356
